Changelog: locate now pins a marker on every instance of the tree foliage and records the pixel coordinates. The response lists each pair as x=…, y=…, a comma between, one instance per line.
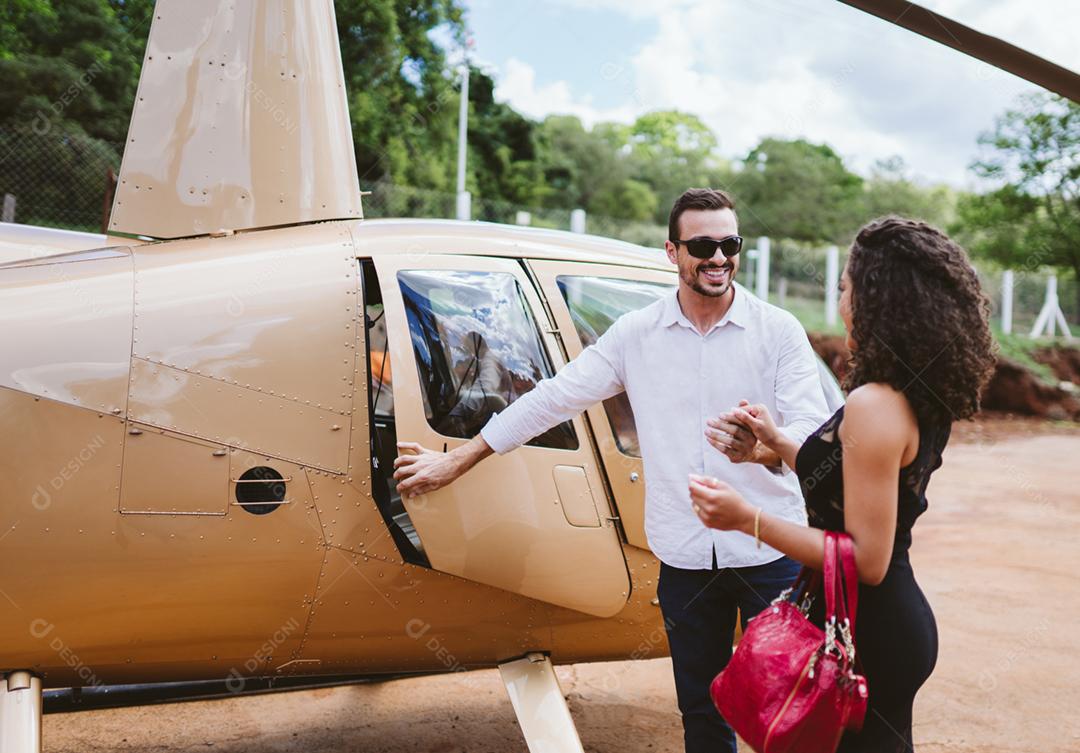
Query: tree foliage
x=72, y=68
x=73, y=64
x=1032, y=217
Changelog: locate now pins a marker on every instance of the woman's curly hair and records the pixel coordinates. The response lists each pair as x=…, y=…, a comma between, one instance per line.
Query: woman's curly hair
x=920, y=319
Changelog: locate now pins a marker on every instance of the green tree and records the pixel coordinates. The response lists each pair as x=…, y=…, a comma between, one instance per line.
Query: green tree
x=796, y=189
x=73, y=64
x=402, y=96
x=671, y=151
x=890, y=190
x=1032, y=218
x=502, y=147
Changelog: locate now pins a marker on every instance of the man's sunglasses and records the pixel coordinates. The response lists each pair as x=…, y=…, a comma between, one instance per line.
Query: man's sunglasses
x=705, y=248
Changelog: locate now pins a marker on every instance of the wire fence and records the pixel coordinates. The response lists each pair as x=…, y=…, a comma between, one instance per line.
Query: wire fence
x=392, y=200
x=60, y=180
x=64, y=180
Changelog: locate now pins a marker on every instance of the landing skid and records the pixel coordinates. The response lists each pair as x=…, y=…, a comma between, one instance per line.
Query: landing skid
x=20, y=713
x=539, y=704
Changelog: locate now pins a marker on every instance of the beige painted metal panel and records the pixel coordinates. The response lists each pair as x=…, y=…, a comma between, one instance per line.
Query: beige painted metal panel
x=240, y=121
x=349, y=517
x=65, y=328
x=374, y=616
x=416, y=239
x=578, y=503
x=31, y=242
x=274, y=311
x=137, y=598
x=190, y=404
x=625, y=473
x=502, y=524
x=166, y=473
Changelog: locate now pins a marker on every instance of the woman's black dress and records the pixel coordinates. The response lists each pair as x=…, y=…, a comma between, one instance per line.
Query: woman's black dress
x=895, y=633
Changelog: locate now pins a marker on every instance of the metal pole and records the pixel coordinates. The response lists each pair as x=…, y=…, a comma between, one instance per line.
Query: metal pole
x=20, y=713
x=832, y=288
x=9, y=208
x=1007, y=301
x=764, y=248
x=464, y=200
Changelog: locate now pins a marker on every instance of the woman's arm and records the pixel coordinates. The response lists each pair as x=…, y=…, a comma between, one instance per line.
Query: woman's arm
x=878, y=430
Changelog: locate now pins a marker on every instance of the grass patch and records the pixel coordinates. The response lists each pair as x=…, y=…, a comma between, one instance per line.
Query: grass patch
x=1015, y=347
x=811, y=314
x=1021, y=349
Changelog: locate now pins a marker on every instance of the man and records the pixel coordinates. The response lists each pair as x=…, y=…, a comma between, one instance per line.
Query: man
x=684, y=362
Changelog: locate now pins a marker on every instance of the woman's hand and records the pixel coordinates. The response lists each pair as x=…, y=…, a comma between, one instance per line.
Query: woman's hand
x=720, y=506
x=727, y=434
x=758, y=420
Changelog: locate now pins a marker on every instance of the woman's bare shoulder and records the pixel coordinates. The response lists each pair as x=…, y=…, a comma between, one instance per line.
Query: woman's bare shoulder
x=879, y=414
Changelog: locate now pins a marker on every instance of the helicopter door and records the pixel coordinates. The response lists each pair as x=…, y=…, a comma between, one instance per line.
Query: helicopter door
x=585, y=299
x=466, y=339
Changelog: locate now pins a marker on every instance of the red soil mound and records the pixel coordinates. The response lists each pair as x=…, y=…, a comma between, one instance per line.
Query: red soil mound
x=1012, y=389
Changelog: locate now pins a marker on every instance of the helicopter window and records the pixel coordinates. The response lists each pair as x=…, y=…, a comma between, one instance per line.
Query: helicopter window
x=382, y=379
x=383, y=427
x=595, y=303
x=477, y=350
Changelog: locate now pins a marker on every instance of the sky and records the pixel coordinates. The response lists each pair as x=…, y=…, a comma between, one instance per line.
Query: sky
x=814, y=69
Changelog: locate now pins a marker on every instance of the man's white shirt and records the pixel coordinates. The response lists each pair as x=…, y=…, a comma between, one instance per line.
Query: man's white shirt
x=676, y=380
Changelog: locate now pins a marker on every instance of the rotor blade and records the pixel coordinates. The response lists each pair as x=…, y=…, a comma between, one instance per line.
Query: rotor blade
x=996, y=52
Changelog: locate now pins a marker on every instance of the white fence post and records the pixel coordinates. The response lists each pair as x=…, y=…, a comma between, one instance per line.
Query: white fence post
x=762, y=272
x=1007, y=301
x=832, y=288
x=1051, y=314
x=577, y=221
x=523, y=218
x=9, y=208
x=464, y=205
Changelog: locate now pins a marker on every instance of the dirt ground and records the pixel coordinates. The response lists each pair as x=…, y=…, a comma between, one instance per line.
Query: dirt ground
x=998, y=555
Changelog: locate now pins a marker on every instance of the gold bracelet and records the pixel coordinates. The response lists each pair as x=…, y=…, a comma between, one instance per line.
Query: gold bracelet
x=757, y=527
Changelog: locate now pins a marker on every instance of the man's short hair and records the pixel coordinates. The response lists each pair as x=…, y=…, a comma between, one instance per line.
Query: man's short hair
x=697, y=198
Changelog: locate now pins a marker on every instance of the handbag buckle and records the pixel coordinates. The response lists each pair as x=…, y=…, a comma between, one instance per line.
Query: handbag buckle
x=782, y=597
x=849, y=641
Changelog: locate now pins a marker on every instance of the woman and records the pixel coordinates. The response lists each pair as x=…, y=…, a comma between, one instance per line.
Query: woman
x=921, y=354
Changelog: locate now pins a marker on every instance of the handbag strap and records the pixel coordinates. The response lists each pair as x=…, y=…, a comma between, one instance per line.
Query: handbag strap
x=829, y=575
x=849, y=589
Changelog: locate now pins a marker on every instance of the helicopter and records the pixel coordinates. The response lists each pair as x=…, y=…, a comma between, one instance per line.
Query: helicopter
x=199, y=411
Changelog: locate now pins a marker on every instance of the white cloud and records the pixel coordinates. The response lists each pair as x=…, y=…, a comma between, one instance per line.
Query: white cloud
x=516, y=84
x=1047, y=28
x=815, y=69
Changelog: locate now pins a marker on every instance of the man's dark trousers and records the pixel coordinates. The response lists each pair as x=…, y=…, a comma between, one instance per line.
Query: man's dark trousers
x=699, y=609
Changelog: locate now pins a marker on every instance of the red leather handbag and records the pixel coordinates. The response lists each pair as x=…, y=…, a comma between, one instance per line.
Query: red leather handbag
x=791, y=686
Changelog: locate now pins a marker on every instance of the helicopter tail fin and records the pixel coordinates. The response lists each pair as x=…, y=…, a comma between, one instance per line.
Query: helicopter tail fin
x=240, y=121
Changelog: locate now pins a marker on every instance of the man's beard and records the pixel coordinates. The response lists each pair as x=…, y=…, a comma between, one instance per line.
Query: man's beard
x=699, y=284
